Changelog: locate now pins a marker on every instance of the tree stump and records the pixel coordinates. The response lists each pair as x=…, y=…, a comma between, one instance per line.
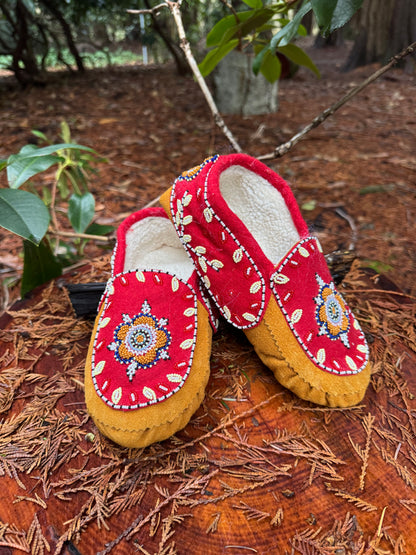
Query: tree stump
x=256, y=471
x=238, y=90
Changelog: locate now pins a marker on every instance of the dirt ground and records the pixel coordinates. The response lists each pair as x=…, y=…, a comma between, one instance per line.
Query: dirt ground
x=357, y=171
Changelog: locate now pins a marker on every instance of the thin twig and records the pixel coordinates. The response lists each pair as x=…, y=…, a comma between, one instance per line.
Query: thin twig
x=81, y=236
x=368, y=423
x=377, y=291
x=155, y=10
x=230, y=7
x=175, y=10
x=354, y=233
x=152, y=202
x=53, y=208
x=285, y=147
x=237, y=20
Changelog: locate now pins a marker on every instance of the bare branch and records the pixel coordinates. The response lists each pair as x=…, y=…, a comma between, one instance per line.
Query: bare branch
x=285, y=147
x=74, y=235
x=155, y=10
x=231, y=8
x=175, y=10
x=237, y=20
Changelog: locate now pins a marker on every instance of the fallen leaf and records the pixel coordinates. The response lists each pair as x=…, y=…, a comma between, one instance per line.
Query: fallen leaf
x=105, y=121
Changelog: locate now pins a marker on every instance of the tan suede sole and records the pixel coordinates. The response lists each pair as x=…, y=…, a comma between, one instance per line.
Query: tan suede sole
x=278, y=348
x=143, y=426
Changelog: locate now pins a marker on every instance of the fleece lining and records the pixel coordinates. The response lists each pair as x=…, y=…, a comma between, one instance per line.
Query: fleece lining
x=262, y=209
x=152, y=243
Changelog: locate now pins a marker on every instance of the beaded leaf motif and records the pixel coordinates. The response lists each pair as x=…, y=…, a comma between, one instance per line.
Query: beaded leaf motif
x=212, y=244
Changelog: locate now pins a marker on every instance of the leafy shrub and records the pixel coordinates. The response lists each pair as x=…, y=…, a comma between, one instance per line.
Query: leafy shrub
x=267, y=28
x=32, y=214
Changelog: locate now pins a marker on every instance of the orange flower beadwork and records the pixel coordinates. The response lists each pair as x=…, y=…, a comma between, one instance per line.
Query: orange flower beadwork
x=188, y=175
x=140, y=341
x=331, y=312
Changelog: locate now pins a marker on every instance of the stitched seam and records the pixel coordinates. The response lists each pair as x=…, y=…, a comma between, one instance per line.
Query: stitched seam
x=157, y=426
x=313, y=387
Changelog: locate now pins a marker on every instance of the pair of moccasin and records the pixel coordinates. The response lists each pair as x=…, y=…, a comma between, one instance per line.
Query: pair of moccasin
x=229, y=239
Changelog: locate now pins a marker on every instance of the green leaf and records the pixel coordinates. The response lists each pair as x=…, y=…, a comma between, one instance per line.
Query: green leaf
x=63, y=185
x=99, y=229
x=39, y=266
x=23, y=213
x=32, y=160
x=30, y=151
x=377, y=189
x=255, y=4
x=343, y=13
x=309, y=205
x=266, y=27
x=30, y=6
x=258, y=60
x=332, y=14
x=302, y=31
x=215, y=56
x=289, y=31
x=40, y=135
x=271, y=67
x=323, y=11
x=256, y=19
x=81, y=211
x=299, y=56
x=3, y=164
x=21, y=168
x=46, y=196
x=376, y=265
x=217, y=33
x=65, y=132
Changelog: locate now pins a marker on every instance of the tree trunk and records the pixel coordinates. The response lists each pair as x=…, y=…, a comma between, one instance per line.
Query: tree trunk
x=403, y=30
x=177, y=54
x=333, y=39
x=67, y=32
x=308, y=22
x=29, y=73
x=385, y=27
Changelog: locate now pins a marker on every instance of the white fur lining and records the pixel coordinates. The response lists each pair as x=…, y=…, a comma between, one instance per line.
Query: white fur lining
x=262, y=209
x=152, y=244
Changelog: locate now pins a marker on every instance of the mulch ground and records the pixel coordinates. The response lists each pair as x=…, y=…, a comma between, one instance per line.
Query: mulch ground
x=256, y=470
x=151, y=125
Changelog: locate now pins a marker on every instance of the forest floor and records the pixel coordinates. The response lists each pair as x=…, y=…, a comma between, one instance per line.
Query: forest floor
x=354, y=176
x=256, y=469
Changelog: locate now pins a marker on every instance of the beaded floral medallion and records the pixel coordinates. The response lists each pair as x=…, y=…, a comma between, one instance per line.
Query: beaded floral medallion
x=140, y=341
x=331, y=312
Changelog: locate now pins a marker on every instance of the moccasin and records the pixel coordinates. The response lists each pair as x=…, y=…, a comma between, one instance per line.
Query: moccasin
x=241, y=226
x=148, y=360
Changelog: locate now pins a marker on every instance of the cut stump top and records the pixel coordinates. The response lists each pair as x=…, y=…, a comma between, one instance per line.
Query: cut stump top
x=256, y=471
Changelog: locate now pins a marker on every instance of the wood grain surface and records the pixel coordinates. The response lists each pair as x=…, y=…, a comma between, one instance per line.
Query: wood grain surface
x=256, y=471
